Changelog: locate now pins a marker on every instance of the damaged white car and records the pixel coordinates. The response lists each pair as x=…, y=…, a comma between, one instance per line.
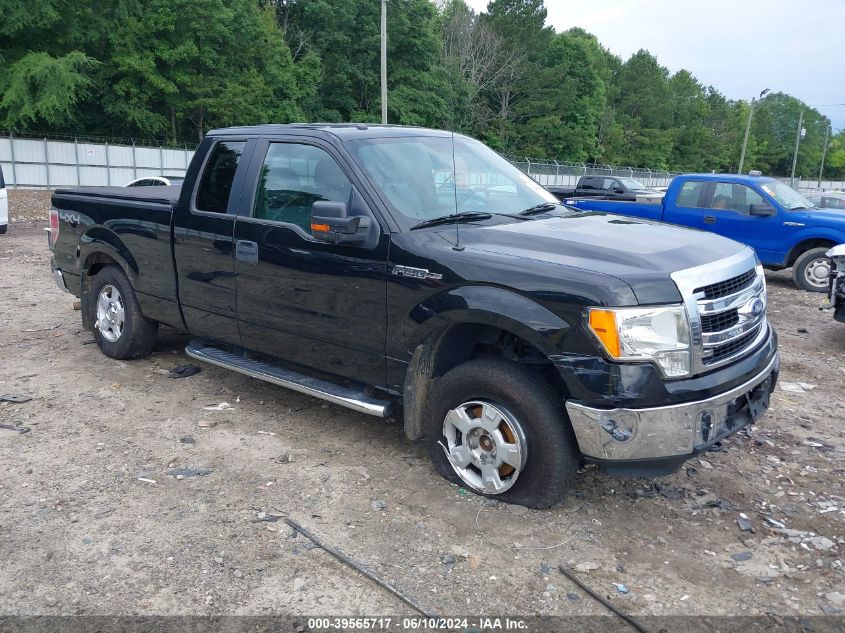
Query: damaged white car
x=836, y=299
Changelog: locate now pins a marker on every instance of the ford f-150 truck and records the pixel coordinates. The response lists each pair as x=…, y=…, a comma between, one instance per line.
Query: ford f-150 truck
x=607, y=188
x=782, y=226
x=413, y=272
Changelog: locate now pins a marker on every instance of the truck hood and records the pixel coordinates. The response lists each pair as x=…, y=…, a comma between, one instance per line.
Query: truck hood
x=833, y=217
x=640, y=252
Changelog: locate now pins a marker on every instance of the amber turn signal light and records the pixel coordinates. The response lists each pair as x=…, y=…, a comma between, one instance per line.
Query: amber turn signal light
x=603, y=325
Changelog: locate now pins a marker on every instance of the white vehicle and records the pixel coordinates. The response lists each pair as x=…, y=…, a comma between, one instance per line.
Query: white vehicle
x=156, y=181
x=4, y=205
x=836, y=298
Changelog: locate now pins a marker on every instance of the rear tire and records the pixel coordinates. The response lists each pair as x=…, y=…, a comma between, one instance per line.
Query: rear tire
x=120, y=329
x=808, y=271
x=523, y=417
x=3, y=229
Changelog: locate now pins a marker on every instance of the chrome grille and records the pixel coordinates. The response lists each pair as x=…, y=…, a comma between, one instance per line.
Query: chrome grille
x=727, y=287
x=729, y=349
x=725, y=302
x=719, y=322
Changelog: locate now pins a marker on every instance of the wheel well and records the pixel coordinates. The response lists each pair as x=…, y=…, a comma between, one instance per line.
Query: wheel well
x=96, y=262
x=466, y=341
x=802, y=247
x=458, y=344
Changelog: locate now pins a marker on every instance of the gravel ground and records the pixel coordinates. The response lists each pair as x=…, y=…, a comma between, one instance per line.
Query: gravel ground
x=94, y=521
x=26, y=206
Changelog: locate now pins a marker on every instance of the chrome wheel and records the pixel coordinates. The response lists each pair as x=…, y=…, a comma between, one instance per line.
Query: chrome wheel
x=817, y=272
x=485, y=446
x=110, y=313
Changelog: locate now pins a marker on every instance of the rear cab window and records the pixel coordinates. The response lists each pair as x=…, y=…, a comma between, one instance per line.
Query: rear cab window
x=691, y=194
x=217, y=177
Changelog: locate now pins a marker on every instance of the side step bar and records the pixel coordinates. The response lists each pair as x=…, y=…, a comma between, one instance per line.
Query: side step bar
x=350, y=398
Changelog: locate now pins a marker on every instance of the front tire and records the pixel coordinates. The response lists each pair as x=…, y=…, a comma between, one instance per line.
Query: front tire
x=120, y=328
x=505, y=432
x=811, y=271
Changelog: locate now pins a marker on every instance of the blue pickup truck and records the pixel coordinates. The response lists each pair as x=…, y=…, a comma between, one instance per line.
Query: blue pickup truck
x=785, y=228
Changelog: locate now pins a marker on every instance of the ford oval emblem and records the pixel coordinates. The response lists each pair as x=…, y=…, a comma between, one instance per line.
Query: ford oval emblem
x=755, y=307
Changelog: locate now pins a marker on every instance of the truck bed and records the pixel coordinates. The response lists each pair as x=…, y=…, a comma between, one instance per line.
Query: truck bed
x=161, y=195
x=646, y=210
x=132, y=225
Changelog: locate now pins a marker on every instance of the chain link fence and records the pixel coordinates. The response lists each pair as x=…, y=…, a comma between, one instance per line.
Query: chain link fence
x=563, y=174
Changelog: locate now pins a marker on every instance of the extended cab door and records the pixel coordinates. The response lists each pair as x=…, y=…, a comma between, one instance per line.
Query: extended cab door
x=203, y=238
x=300, y=299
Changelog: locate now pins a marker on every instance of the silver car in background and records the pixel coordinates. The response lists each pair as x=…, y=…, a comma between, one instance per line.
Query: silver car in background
x=827, y=200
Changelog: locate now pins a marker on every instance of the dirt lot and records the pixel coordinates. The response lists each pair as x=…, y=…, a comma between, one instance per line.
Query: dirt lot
x=92, y=522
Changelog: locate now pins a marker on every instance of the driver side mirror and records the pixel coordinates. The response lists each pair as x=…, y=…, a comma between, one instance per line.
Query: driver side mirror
x=618, y=189
x=331, y=222
x=761, y=209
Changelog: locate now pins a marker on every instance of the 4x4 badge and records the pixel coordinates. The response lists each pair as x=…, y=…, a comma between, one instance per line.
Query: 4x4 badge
x=416, y=273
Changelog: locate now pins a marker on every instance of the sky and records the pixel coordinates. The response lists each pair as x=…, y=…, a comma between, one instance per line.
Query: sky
x=738, y=46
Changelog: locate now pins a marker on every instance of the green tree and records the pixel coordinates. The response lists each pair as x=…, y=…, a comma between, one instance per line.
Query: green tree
x=200, y=64
x=643, y=109
x=49, y=52
x=39, y=87
x=565, y=97
x=775, y=126
x=834, y=164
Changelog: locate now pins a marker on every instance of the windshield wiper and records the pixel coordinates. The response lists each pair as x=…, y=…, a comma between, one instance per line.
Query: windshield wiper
x=539, y=208
x=467, y=216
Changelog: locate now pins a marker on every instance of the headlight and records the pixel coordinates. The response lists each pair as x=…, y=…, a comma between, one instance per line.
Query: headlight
x=659, y=334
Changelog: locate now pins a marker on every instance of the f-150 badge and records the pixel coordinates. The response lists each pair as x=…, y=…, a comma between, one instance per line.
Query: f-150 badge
x=416, y=273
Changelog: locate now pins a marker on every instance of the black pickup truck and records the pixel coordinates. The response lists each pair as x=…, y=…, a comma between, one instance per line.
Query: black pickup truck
x=409, y=272
x=607, y=188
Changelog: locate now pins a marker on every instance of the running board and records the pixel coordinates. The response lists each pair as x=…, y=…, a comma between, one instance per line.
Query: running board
x=348, y=397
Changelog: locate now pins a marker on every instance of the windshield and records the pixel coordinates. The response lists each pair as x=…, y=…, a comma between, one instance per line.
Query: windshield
x=424, y=177
x=786, y=196
x=632, y=184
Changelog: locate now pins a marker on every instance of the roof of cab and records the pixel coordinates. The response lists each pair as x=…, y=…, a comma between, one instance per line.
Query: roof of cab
x=343, y=131
x=726, y=177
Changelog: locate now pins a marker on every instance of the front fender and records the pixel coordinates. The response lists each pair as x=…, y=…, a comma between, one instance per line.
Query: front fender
x=813, y=233
x=487, y=305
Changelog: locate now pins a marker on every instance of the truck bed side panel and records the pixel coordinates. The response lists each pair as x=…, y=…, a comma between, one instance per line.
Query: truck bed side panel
x=131, y=229
x=632, y=209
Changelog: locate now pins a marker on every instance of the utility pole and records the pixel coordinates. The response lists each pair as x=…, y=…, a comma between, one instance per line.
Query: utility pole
x=384, y=61
x=748, y=130
x=824, y=151
x=797, y=143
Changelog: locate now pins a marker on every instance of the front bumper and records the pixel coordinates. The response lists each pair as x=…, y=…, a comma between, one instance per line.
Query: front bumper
x=58, y=277
x=669, y=435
